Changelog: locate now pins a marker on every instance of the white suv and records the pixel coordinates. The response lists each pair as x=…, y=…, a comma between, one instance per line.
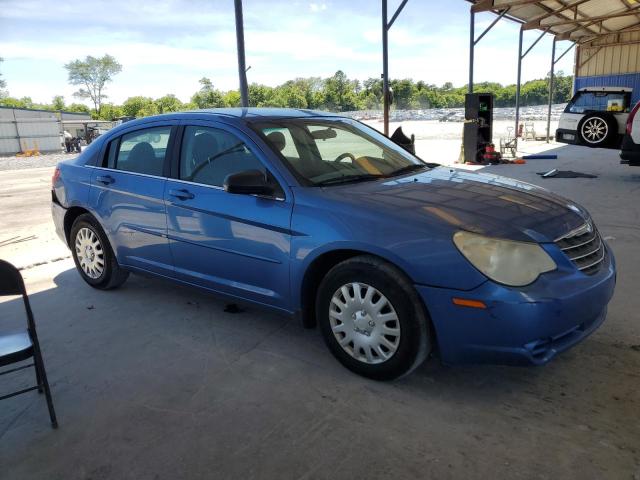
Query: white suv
x=595, y=117
x=630, y=152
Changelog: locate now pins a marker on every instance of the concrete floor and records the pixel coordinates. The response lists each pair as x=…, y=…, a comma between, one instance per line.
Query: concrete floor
x=155, y=381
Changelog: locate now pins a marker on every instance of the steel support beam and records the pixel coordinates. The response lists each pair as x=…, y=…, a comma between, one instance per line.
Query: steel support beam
x=386, y=25
x=474, y=41
x=488, y=5
x=472, y=44
x=242, y=68
x=551, y=79
x=518, y=81
x=579, y=21
x=385, y=68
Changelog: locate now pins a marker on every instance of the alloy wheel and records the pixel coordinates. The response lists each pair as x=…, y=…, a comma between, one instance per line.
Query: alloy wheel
x=90, y=253
x=595, y=130
x=364, y=323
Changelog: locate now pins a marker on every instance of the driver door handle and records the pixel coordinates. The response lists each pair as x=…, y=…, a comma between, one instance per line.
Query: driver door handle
x=182, y=194
x=105, y=179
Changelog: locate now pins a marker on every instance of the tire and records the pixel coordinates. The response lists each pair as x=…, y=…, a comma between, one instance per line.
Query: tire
x=93, y=255
x=597, y=129
x=359, y=328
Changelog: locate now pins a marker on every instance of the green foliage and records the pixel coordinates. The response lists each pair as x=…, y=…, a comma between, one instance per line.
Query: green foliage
x=168, y=103
x=133, y=106
x=24, y=102
x=78, y=108
x=57, y=103
x=93, y=74
x=337, y=93
x=109, y=111
x=208, y=96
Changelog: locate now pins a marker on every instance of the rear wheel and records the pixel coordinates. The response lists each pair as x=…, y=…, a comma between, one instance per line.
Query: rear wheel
x=597, y=130
x=93, y=255
x=372, y=319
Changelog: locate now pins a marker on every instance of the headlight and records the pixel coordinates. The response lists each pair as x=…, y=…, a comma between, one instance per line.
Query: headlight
x=505, y=261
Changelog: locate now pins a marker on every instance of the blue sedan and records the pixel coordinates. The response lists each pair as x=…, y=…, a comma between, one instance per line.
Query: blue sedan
x=323, y=218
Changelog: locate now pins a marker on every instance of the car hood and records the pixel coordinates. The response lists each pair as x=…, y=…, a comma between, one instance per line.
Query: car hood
x=483, y=203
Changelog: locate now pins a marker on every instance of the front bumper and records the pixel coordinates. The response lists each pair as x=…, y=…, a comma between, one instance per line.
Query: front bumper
x=526, y=326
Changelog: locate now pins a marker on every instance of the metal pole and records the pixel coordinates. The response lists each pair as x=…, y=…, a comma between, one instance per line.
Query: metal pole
x=472, y=44
x=385, y=68
x=242, y=69
x=518, y=84
x=553, y=65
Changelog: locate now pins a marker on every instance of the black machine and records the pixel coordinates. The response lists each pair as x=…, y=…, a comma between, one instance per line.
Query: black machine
x=478, y=127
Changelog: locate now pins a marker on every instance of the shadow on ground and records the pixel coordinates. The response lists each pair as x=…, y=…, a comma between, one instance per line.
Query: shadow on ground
x=157, y=381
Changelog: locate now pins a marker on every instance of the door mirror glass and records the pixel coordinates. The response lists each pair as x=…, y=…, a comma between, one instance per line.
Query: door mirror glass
x=249, y=182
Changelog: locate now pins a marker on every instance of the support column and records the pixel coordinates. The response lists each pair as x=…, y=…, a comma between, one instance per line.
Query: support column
x=472, y=45
x=518, y=81
x=551, y=79
x=242, y=69
x=385, y=68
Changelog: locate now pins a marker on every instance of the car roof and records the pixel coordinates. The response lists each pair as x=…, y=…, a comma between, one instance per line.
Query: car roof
x=249, y=113
x=228, y=115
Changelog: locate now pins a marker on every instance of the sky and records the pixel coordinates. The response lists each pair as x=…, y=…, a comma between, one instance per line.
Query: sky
x=166, y=46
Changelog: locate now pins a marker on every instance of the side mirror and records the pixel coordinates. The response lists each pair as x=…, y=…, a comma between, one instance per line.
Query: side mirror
x=249, y=182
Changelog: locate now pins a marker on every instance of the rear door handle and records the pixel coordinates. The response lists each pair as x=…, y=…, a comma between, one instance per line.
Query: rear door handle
x=182, y=194
x=106, y=179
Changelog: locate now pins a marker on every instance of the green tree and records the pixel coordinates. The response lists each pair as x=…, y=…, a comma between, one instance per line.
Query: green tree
x=232, y=98
x=93, y=74
x=57, y=103
x=24, y=102
x=133, y=106
x=208, y=96
x=404, y=93
x=168, y=103
x=78, y=108
x=563, y=85
x=109, y=111
x=259, y=95
x=339, y=93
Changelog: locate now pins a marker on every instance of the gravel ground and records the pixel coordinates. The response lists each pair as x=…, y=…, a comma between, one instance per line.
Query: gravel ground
x=44, y=160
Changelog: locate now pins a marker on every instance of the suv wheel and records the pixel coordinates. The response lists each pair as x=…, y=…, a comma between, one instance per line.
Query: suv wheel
x=597, y=129
x=93, y=255
x=372, y=319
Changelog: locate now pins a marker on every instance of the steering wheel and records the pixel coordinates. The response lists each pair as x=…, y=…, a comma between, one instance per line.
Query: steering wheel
x=342, y=156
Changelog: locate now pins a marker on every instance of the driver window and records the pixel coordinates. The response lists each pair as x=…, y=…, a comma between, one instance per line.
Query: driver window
x=340, y=142
x=209, y=155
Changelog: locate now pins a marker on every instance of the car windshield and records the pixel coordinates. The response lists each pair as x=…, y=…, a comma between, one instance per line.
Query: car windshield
x=329, y=152
x=586, y=101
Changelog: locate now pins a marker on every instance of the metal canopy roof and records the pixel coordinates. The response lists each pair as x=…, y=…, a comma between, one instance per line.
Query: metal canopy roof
x=580, y=21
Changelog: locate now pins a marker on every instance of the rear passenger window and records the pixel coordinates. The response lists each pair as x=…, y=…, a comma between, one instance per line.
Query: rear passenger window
x=209, y=155
x=142, y=151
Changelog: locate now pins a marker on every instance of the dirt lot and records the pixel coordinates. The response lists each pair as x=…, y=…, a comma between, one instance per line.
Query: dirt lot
x=155, y=381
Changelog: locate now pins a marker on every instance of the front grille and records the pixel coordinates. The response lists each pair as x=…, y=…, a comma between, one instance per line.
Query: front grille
x=584, y=247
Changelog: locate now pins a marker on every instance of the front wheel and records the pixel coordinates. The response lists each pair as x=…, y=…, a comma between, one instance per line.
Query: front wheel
x=93, y=254
x=372, y=319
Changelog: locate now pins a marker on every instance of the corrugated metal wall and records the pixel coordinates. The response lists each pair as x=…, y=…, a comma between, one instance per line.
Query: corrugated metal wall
x=22, y=130
x=611, y=61
x=613, y=54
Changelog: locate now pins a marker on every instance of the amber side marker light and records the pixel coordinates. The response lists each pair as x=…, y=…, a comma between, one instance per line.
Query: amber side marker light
x=465, y=302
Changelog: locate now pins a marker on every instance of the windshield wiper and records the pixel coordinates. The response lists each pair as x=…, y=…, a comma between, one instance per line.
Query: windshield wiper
x=414, y=167
x=349, y=179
